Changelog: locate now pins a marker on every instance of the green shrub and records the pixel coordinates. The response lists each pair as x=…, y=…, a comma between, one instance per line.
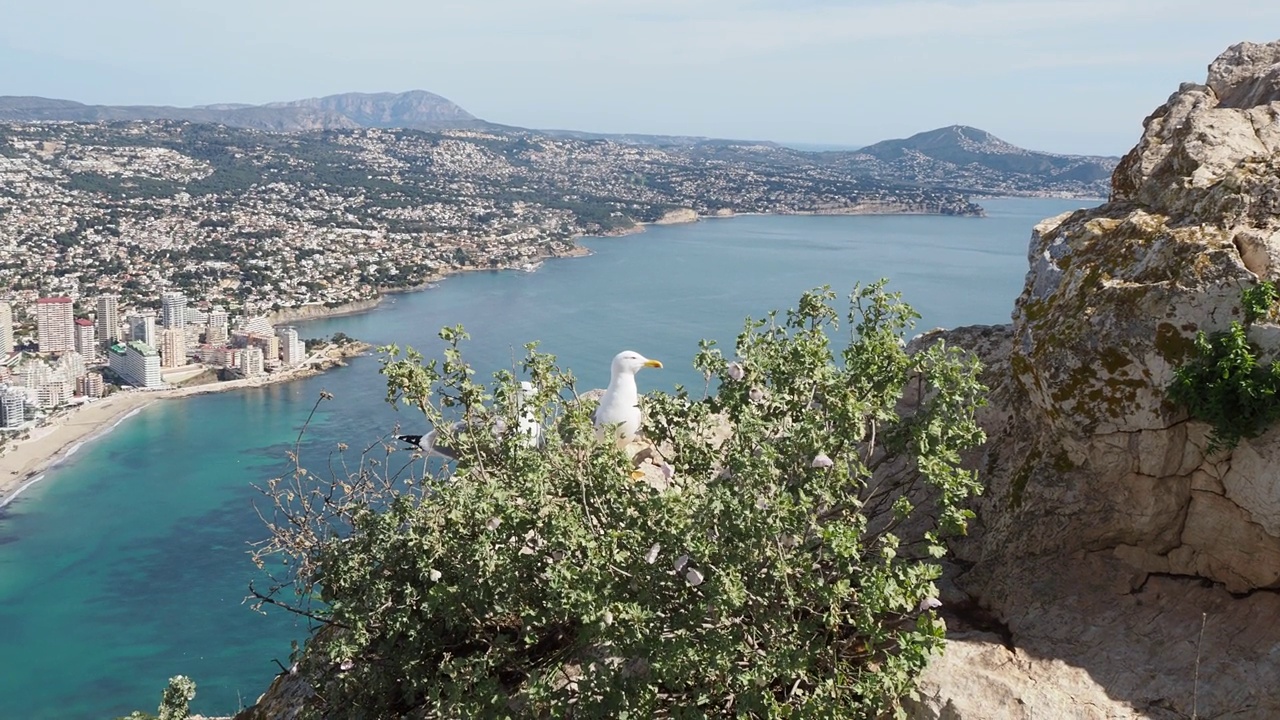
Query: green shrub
x=1259, y=301
x=786, y=570
x=1225, y=384
x=174, y=702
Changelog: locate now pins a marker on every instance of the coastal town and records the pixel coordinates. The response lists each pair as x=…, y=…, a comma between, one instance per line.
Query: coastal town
x=139, y=257
x=54, y=358
x=319, y=220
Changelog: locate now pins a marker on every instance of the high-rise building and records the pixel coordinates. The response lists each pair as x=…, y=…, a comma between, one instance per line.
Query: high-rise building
x=6, y=328
x=142, y=327
x=217, y=327
x=292, y=350
x=173, y=348
x=108, y=319
x=136, y=363
x=251, y=362
x=173, y=310
x=55, y=324
x=12, y=407
x=86, y=339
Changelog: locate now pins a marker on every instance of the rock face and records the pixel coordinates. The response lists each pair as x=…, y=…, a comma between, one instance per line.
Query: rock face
x=1108, y=536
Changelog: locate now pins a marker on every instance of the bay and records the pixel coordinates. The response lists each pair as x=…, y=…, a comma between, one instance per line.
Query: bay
x=128, y=563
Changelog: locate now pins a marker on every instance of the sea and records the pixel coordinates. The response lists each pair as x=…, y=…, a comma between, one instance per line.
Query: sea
x=128, y=562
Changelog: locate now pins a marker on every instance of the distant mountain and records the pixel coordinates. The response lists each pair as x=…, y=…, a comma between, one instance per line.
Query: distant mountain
x=416, y=109
x=958, y=158
x=977, y=159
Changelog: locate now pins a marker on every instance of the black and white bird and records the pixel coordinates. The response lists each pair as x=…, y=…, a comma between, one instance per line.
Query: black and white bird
x=619, y=411
x=529, y=427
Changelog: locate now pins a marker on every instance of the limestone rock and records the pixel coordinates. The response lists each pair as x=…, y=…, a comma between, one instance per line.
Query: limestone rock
x=1108, y=536
x=978, y=677
x=1113, y=299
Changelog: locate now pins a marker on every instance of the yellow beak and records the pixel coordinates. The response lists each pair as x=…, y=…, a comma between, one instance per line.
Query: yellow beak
x=653, y=363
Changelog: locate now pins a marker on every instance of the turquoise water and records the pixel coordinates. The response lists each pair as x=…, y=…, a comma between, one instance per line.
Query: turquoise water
x=128, y=563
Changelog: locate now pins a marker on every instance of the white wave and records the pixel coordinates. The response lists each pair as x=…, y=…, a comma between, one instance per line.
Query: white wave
x=66, y=453
x=20, y=490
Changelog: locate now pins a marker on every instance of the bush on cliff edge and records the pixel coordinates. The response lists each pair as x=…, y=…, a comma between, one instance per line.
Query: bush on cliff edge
x=772, y=577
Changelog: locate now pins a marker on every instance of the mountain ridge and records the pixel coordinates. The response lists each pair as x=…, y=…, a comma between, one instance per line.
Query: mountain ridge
x=956, y=157
x=414, y=110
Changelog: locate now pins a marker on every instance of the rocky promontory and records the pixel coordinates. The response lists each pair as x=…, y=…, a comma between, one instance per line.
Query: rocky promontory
x=1119, y=567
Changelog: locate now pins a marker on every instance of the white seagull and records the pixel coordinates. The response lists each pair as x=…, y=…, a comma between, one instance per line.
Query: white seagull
x=529, y=427
x=620, y=404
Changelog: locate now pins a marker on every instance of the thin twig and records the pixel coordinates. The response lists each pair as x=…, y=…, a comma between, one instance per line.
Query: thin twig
x=1195, y=685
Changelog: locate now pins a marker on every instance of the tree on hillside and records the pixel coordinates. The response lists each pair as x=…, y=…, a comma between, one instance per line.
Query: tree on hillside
x=779, y=561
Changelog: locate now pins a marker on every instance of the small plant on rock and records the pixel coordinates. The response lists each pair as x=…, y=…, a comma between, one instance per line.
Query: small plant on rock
x=1226, y=384
x=174, y=702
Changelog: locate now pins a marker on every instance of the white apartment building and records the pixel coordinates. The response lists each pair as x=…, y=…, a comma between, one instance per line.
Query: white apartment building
x=33, y=373
x=6, y=328
x=251, y=362
x=108, y=319
x=173, y=310
x=258, y=325
x=173, y=348
x=70, y=365
x=142, y=327
x=12, y=407
x=292, y=349
x=54, y=393
x=87, y=339
x=218, y=316
x=55, y=324
x=137, y=364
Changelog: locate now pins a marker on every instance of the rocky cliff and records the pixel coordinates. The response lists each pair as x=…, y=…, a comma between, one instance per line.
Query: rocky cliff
x=1117, y=566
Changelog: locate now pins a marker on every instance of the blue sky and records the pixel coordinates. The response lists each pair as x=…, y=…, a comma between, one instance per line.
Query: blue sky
x=1071, y=76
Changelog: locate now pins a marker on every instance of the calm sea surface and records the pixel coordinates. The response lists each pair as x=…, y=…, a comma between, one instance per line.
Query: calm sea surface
x=128, y=563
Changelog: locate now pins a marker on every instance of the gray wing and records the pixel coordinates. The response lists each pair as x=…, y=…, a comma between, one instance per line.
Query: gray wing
x=430, y=443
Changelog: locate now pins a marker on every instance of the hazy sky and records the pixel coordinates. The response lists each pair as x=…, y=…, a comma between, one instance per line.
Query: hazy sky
x=1073, y=76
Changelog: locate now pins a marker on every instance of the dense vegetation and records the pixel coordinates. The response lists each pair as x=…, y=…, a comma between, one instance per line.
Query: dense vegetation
x=777, y=562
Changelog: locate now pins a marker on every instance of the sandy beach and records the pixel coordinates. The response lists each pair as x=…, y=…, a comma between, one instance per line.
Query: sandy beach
x=24, y=461
x=21, y=463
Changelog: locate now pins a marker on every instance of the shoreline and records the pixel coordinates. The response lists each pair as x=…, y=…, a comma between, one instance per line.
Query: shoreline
x=25, y=462
x=22, y=464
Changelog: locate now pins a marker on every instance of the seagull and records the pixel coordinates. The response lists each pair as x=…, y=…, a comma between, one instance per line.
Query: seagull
x=429, y=443
x=529, y=427
x=620, y=404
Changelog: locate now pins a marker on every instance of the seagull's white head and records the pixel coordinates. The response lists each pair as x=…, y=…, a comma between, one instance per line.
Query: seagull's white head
x=630, y=362
x=527, y=390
